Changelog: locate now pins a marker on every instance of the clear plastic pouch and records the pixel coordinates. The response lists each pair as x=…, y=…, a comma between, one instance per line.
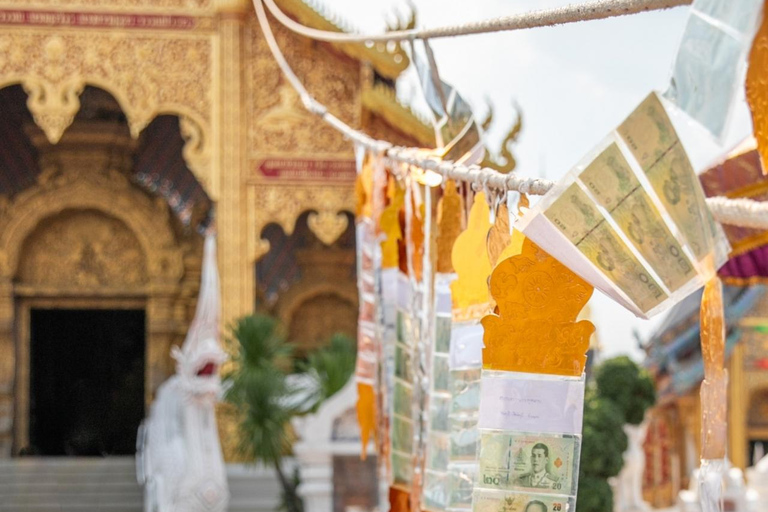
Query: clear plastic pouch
x=529, y=440
x=711, y=60
x=438, y=440
x=631, y=218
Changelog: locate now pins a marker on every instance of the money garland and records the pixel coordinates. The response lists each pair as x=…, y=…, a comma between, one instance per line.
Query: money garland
x=532, y=386
x=631, y=218
x=470, y=301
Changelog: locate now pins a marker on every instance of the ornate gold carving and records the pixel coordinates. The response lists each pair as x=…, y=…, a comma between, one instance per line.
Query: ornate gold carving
x=106, y=191
x=328, y=226
x=147, y=74
x=117, y=5
x=282, y=204
x=83, y=249
x=277, y=121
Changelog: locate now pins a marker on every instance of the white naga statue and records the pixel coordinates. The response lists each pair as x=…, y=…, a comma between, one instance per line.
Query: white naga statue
x=179, y=458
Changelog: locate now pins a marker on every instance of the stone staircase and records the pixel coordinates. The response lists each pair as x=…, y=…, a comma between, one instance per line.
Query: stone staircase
x=69, y=485
x=109, y=485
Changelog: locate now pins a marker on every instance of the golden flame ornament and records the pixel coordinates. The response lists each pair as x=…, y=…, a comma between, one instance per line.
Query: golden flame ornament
x=539, y=300
x=450, y=210
x=714, y=402
x=470, y=261
x=390, y=226
x=757, y=89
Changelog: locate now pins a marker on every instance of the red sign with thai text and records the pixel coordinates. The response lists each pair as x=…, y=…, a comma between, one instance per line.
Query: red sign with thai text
x=287, y=169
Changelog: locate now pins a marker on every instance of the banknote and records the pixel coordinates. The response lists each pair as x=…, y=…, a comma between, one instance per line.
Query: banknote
x=652, y=139
x=516, y=461
x=465, y=389
x=435, y=490
x=403, y=399
x=462, y=479
x=402, y=326
x=441, y=373
x=402, y=434
x=495, y=501
x=439, y=411
x=442, y=334
x=402, y=468
x=578, y=218
x=403, y=362
x=438, y=451
x=464, y=439
x=616, y=188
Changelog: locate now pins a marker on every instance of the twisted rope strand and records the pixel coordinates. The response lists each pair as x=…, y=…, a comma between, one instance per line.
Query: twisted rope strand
x=595, y=10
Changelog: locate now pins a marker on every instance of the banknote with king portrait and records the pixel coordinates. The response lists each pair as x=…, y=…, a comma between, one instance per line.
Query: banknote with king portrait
x=501, y=501
x=528, y=462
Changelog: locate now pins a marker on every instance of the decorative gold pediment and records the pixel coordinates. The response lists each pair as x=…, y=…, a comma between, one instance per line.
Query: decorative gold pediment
x=147, y=74
x=283, y=204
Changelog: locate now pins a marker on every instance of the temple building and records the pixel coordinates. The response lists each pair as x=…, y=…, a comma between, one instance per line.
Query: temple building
x=674, y=357
x=127, y=127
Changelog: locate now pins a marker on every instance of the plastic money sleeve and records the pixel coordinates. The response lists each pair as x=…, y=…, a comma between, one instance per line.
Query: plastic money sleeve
x=495, y=501
x=617, y=189
x=757, y=90
x=654, y=143
x=528, y=462
x=575, y=216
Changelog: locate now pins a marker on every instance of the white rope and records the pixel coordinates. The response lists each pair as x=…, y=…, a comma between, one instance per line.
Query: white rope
x=596, y=10
x=738, y=212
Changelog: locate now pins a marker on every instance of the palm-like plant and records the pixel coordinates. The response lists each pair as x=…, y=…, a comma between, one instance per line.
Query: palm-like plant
x=267, y=397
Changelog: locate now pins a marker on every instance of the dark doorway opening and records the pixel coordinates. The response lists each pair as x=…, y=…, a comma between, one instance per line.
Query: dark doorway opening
x=86, y=381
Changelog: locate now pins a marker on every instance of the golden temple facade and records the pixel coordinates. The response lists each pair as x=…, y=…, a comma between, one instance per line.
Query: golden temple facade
x=126, y=124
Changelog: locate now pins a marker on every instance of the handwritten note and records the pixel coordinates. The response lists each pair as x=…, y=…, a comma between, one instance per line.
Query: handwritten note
x=520, y=403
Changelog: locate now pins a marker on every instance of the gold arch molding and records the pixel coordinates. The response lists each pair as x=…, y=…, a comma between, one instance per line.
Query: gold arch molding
x=284, y=204
x=148, y=75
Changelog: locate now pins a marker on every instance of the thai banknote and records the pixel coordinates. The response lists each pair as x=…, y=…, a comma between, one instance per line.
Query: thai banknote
x=465, y=390
x=441, y=373
x=495, y=501
x=403, y=399
x=438, y=451
x=464, y=439
x=442, y=334
x=652, y=139
x=403, y=362
x=435, y=491
x=578, y=218
x=439, y=412
x=516, y=461
x=402, y=434
x=402, y=469
x=462, y=480
x=616, y=188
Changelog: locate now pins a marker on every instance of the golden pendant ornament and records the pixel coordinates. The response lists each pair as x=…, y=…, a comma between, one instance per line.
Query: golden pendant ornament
x=757, y=90
x=449, y=219
x=536, y=329
x=366, y=415
x=390, y=226
x=470, y=261
x=714, y=400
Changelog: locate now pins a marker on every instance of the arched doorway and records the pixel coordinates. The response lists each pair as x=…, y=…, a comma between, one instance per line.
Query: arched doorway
x=98, y=278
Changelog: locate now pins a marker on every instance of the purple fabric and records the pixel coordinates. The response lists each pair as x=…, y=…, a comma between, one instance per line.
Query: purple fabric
x=751, y=264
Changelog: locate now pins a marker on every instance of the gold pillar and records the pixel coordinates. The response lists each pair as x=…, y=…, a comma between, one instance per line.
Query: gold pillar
x=237, y=274
x=737, y=408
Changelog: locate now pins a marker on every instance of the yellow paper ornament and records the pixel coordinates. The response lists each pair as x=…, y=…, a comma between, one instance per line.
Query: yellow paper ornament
x=470, y=261
x=536, y=330
x=449, y=217
x=390, y=227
